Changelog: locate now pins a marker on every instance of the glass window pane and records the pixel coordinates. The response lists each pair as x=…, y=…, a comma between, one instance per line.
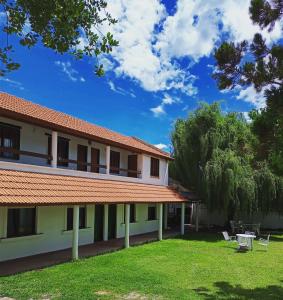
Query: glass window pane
x=21, y=221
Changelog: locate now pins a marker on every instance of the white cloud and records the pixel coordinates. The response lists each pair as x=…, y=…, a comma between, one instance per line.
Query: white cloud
x=162, y=146
x=152, y=42
x=12, y=83
x=136, y=56
x=246, y=116
x=250, y=95
x=66, y=67
x=159, y=110
x=119, y=90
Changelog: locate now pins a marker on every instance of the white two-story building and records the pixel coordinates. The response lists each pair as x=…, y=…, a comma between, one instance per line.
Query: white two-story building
x=65, y=182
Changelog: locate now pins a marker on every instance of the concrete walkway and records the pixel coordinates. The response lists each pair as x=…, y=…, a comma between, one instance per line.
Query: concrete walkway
x=40, y=261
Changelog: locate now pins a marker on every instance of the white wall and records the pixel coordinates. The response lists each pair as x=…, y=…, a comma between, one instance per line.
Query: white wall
x=34, y=139
x=52, y=235
x=141, y=225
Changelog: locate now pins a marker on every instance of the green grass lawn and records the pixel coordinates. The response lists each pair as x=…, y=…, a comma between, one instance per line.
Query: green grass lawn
x=201, y=266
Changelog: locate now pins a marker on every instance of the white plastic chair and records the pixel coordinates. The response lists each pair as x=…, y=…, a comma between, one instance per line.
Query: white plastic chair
x=264, y=242
x=229, y=238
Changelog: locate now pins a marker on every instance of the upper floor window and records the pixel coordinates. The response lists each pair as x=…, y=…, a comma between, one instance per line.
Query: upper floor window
x=62, y=151
x=154, y=167
x=114, y=162
x=21, y=222
x=82, y=218
x=9, y=138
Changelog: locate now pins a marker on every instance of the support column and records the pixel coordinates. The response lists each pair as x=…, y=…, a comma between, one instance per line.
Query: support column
x=107, y=159
x=127, y=225
x=75, y=248
x=183, y=218
x=54, y=143
x=165, y=216
x=160, y=221
x=197, y=210
x=105, y=223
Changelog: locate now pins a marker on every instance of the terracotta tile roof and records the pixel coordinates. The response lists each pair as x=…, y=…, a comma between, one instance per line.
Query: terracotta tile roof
x=26, y=188
x=25, y=110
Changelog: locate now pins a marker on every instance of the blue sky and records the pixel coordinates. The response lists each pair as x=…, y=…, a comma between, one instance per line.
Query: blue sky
x=160, y=71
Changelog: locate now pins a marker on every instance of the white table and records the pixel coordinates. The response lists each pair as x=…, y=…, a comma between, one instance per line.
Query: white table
x=248, y=237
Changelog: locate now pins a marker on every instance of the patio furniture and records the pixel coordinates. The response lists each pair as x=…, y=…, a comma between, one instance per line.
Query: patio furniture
x=246, y=239
x=264, y=242
x=243, y=244
x=229, y=238
x=254, y=227
x=250, y=232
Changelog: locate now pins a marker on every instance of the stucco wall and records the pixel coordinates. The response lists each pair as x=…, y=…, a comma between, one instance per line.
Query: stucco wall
x=34, y=139
x=52, y=234
x=141, y=225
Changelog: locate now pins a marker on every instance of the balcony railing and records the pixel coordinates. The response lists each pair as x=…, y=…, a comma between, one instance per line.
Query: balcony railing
x=47, y=157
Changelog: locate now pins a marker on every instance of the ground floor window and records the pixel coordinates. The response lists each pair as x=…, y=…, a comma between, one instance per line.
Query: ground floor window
x=21, y=222
x=132, y=213
x=151, y=212
x=82, y=218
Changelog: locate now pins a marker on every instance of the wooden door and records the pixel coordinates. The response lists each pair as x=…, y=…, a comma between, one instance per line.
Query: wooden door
x=114, y=162
x=132, y=165
x=95, y=158
x=112, y=213
x=82, y=158
x=98, y=222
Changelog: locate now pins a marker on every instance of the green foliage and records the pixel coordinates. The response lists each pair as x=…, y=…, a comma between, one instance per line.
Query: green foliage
x=260, y=65
x=59, y=25
x=255, y=63
x=268, y=126
x=215, y=154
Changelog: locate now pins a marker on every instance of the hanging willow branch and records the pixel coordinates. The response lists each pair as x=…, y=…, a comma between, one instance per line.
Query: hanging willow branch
x=215, y=154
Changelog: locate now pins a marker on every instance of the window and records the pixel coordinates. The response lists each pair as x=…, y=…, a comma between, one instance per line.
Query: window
x=21, y=222
x=114, y=162
x=154, y=167
x=132, y=213
x=151, y=212
x=82, y=218
x=9, y=138
x=62, y=151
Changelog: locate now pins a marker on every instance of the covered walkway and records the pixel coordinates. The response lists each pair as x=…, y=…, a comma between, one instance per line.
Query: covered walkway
x=40, y=261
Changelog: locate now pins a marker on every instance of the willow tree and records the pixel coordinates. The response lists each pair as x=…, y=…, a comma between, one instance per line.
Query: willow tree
x=215, y=155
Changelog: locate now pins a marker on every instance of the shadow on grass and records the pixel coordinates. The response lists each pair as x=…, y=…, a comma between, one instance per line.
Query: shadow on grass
x=227, y=291
x=276, y=238
x=201, y=236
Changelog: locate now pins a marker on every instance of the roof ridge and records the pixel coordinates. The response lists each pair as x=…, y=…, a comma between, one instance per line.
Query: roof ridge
x=65, y=114
x=13, y=105
x=150, y=145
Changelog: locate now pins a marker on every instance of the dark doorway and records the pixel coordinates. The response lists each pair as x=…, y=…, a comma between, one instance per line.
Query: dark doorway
x=114, y=162
x=132, y=165
x=95, y=154
x=98, y=222
x=82, y=158
x=112, y=221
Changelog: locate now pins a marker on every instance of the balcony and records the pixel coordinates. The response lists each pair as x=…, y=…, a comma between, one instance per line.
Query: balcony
x=45, y=161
